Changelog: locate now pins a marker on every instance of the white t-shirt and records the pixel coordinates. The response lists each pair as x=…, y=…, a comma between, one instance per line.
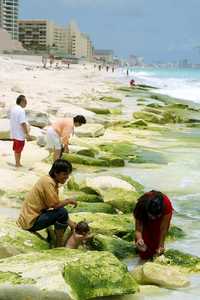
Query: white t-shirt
x=17, y=117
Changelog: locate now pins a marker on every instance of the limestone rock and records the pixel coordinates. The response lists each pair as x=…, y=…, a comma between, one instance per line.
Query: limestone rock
x=14, y=240
x=113, y=244
x=64, y=273
x=163, y=276
x=4, y=129
x=17, y=89
x=38, y=119
x=90, y=130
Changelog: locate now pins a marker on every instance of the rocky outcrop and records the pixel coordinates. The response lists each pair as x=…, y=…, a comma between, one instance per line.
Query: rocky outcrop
x=163, y=276
x=90, y=130
x=64, y=274
x=38, y=119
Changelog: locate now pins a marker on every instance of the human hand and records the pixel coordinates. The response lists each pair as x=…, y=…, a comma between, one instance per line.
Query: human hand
x=72, y=202
x=72, y=224
x=160, y=250
x=141, y=245
x=29, y=137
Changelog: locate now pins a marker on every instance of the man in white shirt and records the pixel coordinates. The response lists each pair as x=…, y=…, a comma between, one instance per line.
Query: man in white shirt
x=19, y=128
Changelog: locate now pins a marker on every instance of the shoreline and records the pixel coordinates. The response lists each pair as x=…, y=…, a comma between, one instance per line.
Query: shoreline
x=159, y=152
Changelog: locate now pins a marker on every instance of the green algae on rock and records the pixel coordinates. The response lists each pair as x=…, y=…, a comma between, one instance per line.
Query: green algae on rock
x=106, y=224
x=90, y=130
x=92, y=207
x=83, y=197
x=70, y=269
x=14, y=240
x=113, y=244
x=110, y=99
x=121, y=199
x=160, y=275
x=98, y=274
x=187, y=261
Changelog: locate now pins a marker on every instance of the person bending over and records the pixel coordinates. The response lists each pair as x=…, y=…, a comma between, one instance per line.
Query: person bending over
x=79, y=235
x=152, y=213
x=58, y=134
x=42, y=207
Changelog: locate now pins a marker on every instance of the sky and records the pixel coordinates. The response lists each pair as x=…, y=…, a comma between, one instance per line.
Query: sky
x=158, y=30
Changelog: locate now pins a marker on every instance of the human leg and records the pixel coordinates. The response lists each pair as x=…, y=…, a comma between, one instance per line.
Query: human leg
x=17, y=148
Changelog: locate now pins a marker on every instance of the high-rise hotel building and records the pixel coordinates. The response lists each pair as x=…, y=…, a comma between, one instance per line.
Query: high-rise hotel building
x=9, y=17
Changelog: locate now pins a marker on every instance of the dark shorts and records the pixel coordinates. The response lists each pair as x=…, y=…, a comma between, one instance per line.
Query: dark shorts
x=57, y=217
x=18, y=146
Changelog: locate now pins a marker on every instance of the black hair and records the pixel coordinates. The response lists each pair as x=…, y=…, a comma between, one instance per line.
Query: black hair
x=82, y=228
x=150, y=203
x=60, y=165
x=20, y=98
x=80, y=119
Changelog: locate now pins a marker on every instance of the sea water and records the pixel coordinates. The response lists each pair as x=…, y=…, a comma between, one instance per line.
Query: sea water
x=179, y=178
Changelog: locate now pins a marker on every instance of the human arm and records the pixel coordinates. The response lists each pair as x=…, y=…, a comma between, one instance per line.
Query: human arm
x=26, y=131
x=163, y=232
x=138, y=235
x=65, y=202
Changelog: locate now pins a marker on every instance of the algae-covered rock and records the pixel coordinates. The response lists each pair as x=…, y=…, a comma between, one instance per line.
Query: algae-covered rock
x=187, y=261
x=85, y=160
x=120, y=149
x=90, y=130
x=148, y=155
x=163, y=276
x=83, y=197
x=14, y=240
x=106, y=224
x=121, y=199
x=110, y=99
x=137, y=186
x=94, y=275
x=149, y=117
x=113, y=244
x=113, y=161
x=103, y=183
x=92, y=207
x=64, y=274
x=138, y=123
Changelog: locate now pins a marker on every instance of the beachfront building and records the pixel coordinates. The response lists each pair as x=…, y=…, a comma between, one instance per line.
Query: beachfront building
x=9, y=17
x=41, y=35
x=105, y=56
x=46, y=35
x=78, y=44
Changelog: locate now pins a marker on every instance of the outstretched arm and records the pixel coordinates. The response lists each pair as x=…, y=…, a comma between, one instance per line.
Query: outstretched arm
x=163, y=232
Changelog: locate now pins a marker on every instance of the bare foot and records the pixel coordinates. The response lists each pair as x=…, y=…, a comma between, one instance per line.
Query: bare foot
x=18, y=166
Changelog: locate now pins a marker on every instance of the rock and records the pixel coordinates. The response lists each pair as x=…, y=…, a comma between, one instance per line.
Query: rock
x=106, y=224
x=74, y=275
x=41, y=140
x=38, y=119
x=137, y=123
x=163, y=276
x=103, y=161
x=90, y=130
x=17, y=89
x=188, y=262
x=4, y=129
x=99, y=110
x=121, y=199
x=92, y=207
x=120, y=248
x=110, y=99
x=120, y=149
x=85, y=160
x=81, y=196
x=14, y=240
x=149, y=117
x=103, y=183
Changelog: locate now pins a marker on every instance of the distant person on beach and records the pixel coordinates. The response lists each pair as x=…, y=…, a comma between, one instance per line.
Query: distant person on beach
x=132, y=82
x=127, y=72
x=113, y=69
x=79, y=235
x=44, y=61
x=107, y=68
x=19, y=128
x=100, y=67
x=42, y=207
x=51, y=60
x=152, y=213
x=58, y=134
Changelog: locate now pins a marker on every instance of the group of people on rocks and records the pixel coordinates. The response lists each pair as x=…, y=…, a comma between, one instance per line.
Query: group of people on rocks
x=42, y=207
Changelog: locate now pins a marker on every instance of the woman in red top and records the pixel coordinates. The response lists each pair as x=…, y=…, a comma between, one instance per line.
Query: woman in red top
x=153, y=213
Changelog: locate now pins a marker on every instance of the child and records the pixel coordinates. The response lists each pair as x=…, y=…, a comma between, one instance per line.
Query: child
x=79, y=235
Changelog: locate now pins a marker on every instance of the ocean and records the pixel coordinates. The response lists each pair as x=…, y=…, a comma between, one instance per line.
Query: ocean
x=176, y=82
